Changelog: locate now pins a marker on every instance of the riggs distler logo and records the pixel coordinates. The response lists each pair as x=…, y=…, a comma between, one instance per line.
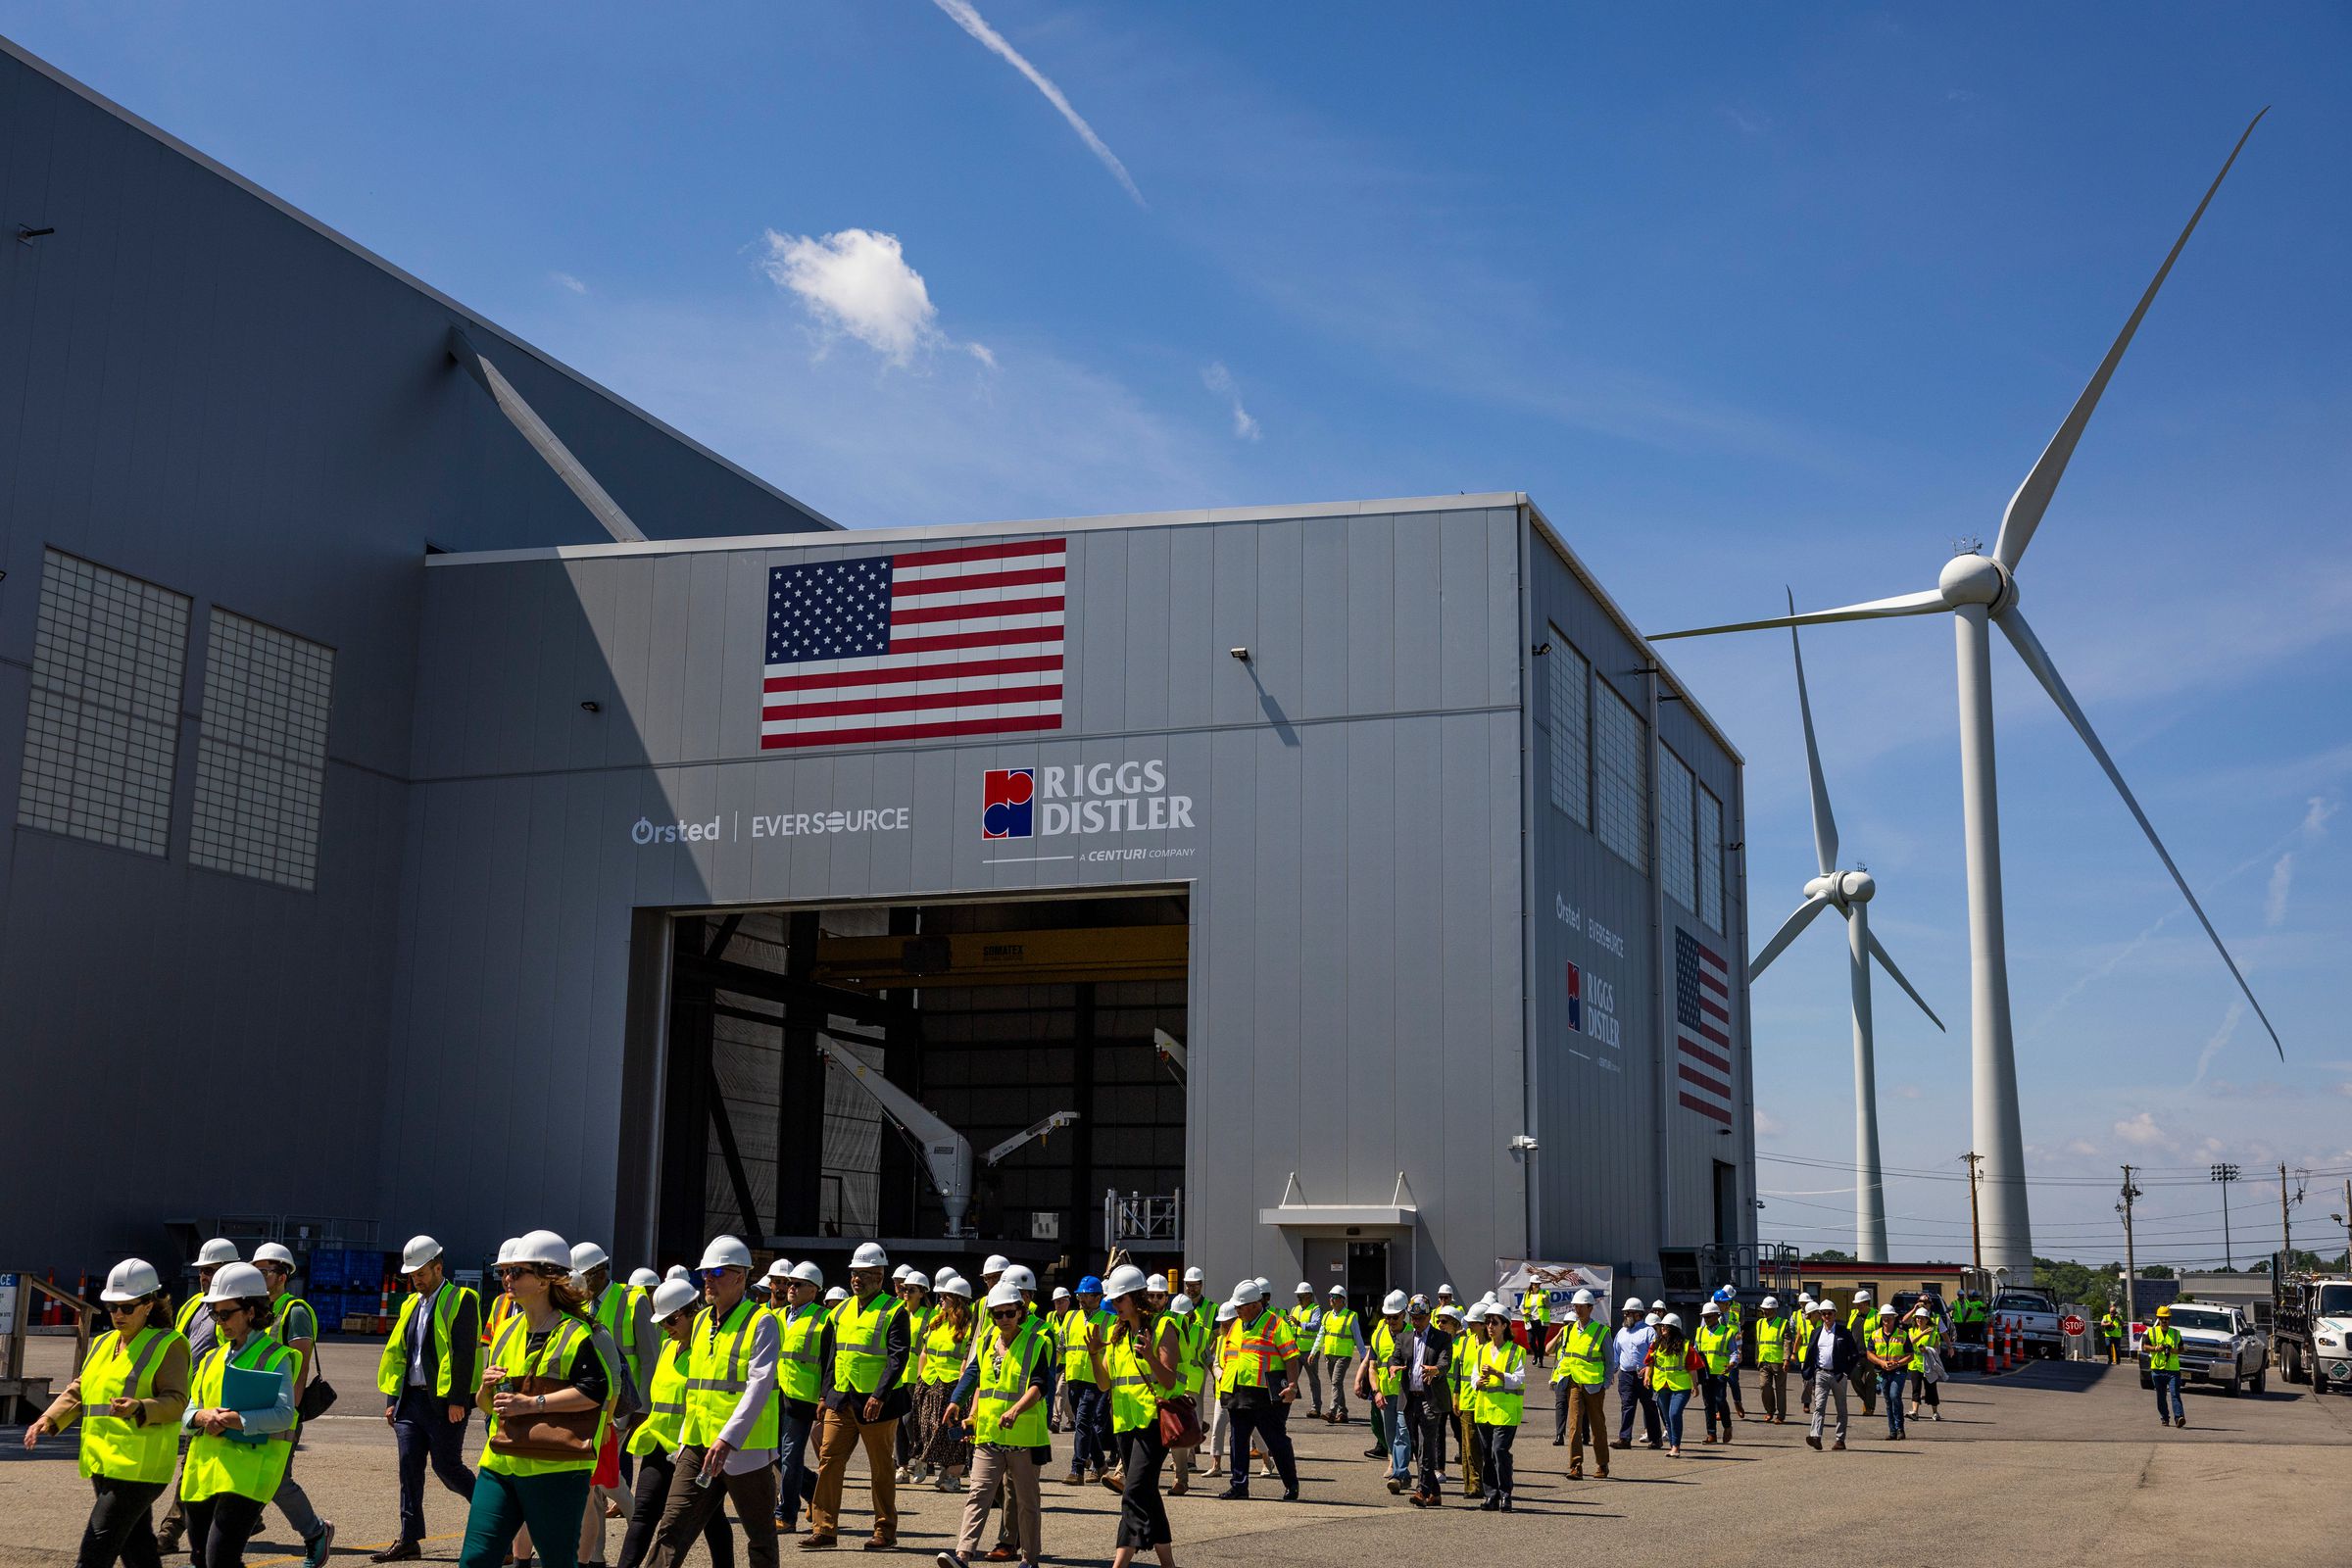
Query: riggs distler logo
x=1019, y=803
x=1008, y=802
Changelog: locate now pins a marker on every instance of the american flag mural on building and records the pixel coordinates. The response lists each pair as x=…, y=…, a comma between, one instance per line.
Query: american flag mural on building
x=961, y=641
x=1702, y=1028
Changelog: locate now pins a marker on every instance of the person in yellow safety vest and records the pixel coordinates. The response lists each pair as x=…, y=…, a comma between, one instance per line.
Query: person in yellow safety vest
x=1425, y=1359
x=128, y=1397
x=1719, y=1347
x=2111, y=1334
x=1305, y=1322
x=1926, y=1337
x=1090, y=1401
x=800, y=1330
x=1137, y=1357
x=295, y=1325
x=1860, y=1319
x=1888, y=1350
x=548, y=1360
x=865, y=1353
x=1256, y=1383
x=426, y=1376
x=228, y=1477
x=194, y=1323
x=1058, y=1306
x=655, y=1441
x=1774, y=1335
x=1735, y=1318
x=734, y=1419
x=1004, y=1388
x=914, y=1290
x=1339, y=1341
x=1499, y=1389
x=2160, y=1349
x=627, y=1318
x=1379, y=1384
x=1581, y=1380
x=939, y=1357
x=1674, y=1365
x=1535, y=1304
x=1192, y=1349
x=1463, y=1420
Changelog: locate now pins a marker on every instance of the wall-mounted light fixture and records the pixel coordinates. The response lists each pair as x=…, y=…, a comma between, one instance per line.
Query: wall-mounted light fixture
x=1541, y=648
x=591, y=706
x=1242, y=654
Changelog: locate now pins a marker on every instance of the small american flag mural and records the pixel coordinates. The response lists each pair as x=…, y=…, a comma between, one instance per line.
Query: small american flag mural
x=961, y=641
x=1702, y=1028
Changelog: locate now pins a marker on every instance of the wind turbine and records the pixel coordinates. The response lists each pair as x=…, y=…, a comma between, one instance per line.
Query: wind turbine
x=1981, y=593
x=1848, y=892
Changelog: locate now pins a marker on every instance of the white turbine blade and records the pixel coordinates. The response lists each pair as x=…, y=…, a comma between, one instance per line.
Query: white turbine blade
x=1825, y=826
x=1918, y=604
x=1877, y=951
x=2033, y=497
x=1786, y=934
x=2038, y=659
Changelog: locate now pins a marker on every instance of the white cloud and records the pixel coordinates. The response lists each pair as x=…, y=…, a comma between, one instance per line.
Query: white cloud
x=2274, y=902
x=970, y=20
x=1219, y=380
x=564, y=281
x=1906, y=1090
x=2141, y=1130
x=2218, y=1039
x=2315, y=815
x=857, y=283
x=1767, y=1124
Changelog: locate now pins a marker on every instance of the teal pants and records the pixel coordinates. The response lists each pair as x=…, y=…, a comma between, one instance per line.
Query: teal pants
x=551, y=1503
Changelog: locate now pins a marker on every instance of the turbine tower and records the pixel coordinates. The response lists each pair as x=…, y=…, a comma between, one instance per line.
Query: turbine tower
x=1850, y=894
x=1981, y=593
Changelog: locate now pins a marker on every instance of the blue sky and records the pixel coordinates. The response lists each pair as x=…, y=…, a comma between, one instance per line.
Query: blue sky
x=1743, y=296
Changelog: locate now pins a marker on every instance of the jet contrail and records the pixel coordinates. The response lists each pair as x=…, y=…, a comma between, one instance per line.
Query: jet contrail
x=972, y=21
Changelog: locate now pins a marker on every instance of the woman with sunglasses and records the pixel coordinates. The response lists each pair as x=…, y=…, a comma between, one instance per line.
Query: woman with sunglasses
x=1140, y=1360
x=129, y=1397
x=656, y=1441
x=236, y=1457
x=940, y=1356
x=1005, y=1385
x=548, y=1337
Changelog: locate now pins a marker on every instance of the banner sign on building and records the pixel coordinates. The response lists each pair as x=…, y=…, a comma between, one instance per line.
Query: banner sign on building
x=1516, y=1278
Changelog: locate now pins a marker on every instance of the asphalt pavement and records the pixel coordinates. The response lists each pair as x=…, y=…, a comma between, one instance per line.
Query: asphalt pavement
x=2061, y=1463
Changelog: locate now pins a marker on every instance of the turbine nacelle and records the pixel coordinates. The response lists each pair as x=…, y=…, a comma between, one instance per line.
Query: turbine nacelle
x=1842, y=889
x=1976, y=580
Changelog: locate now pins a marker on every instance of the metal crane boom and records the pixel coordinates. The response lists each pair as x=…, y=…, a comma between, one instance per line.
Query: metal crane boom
x=1054, y=1123
x=1171, y=1054
x=947, y=1153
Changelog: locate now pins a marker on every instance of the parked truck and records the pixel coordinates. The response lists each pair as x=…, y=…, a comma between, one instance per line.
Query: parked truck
x=2311, y=1330
x=2034, y=1311
x=2217, y=1345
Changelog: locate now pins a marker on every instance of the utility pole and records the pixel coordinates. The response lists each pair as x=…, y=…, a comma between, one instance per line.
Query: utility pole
x=1975, y=1235
x=2225, y=1173
x=2286, y=1225
x=2131, y=1259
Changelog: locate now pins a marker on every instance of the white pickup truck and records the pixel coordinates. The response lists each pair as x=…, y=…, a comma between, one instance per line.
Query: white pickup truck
x=2035, y=1315
x=2217, y=1345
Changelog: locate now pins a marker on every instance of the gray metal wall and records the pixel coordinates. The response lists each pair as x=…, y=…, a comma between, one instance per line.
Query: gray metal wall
x=1605, y=1193
x=201, y=388
x=1355, y=862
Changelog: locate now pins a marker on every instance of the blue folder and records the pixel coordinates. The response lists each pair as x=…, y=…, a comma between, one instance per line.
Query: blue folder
x=250, y=1389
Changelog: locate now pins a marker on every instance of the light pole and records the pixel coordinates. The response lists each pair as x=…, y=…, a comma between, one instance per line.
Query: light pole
x=2225, y=1174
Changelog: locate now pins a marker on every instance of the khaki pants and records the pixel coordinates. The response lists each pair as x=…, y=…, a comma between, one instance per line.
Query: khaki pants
x=1465, y=1433
x=1772, y=1377
x=840, y=1437
x=1584, y=1421
x=1014, y=1472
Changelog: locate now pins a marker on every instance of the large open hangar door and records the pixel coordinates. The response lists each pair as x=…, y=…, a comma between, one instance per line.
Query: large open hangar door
x=994, y=1014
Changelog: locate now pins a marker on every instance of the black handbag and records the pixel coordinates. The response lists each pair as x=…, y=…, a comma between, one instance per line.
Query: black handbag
x=318, y=1398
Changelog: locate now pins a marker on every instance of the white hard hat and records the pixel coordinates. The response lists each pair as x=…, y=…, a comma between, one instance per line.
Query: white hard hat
x=1804, y=1297
x=1770, y=1304
x=1022, y=1277
x=1393, y=1303
x=1193, y=1276
x=274, y=1253
x=940, y=1279
x=1182, y=1305
x=421, y=1250
x=1337, y=1289
x=1248, y=1291
x=808, y=1273
x=1420, y=1304
x=1886, y=1311
x=505, y=1251
x=1227, y=1311
x=673, y=1295
x=1580, y=1299
x=1156, y=1284
x=1921, y=1310
x=235, y=1283
x=542, y=1246
x=1444, y=1290
x=1447, y=1309
x=1125, y=1280
x=1002, y=1295
x=726, y=1251
x=836, y=1295
x=1061, y=1292
x=1304, y=1288
x=1861, y=1295
x=586, y=1255
x=898, y=1276
x=644, y=1279
x=1265, y=1286
x=1825, y=1305
x=780, y=1269
x=997, y=1263
x=677, y=1272
x=130, y=1280
x=1478, y=1312
x=221, y=1249
x=1633, y=1303
x=1710, y=1309
x=869, y=1255
x=956, y=1285
x=1674, y=1320
x=1653, y=1319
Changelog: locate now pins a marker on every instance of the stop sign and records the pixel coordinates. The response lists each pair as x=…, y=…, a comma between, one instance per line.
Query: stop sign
x=2072, y=1323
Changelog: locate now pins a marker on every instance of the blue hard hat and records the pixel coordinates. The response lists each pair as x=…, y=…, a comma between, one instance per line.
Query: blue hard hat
x=1092, y=1285
x=1723, y=1293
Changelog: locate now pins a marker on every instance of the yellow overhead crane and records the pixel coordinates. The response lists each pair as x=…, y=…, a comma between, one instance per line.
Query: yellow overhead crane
x=1003, y=958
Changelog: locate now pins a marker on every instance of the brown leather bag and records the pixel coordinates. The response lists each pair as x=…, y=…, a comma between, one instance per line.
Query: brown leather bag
x=545, y=1433
x=1179, y=1421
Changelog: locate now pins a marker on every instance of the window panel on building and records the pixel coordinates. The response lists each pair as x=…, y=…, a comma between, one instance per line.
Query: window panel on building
x=1619, y=776
x=1675, y=855
x=1710, y=858
x=101, y=721
x=1570, y=714
x=261, y=760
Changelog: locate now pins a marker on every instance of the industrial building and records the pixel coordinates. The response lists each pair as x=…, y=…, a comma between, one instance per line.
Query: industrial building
x=516, y=814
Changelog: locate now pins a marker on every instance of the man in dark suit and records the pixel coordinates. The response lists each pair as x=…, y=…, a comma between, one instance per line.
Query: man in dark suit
x=427, y=1374
x=1831, y=1354
x=1421, y=1358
